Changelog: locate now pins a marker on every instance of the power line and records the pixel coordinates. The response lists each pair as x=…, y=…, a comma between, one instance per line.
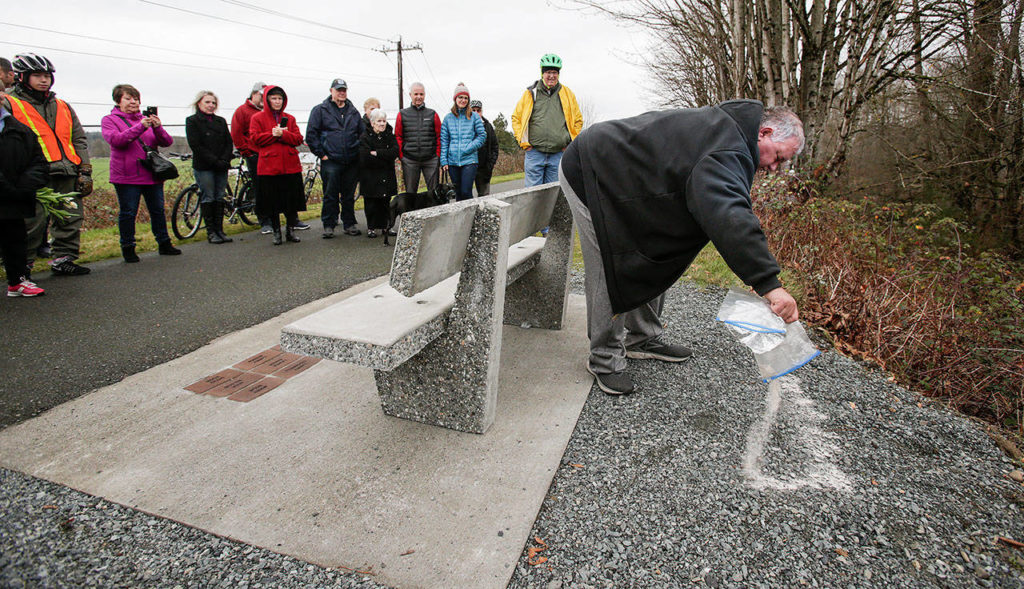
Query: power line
x=237, y=22
x=299, y=19
x=177, y=51
x=420, y=78
x=430, y=69
x=156, y=62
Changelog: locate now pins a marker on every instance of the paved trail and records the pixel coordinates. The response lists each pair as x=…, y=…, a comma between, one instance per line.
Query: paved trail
x=95, y=330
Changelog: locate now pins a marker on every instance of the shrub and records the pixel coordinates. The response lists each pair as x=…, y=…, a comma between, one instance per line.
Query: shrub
x=896, y=284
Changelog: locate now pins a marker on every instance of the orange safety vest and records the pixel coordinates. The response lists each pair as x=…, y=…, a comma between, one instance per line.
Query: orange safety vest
x=56, y=144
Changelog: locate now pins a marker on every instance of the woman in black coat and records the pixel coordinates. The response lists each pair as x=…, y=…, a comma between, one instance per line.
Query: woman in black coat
x=23, y=170
x=378, y=150
x=210, y=140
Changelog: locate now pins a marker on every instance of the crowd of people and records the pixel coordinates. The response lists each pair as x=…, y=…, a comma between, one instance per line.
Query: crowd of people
x=355, y=150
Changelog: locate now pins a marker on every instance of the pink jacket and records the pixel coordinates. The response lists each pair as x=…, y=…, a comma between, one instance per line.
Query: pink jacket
x=125, y=151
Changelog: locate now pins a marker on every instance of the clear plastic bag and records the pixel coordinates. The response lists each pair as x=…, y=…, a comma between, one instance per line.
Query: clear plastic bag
x=779, y=348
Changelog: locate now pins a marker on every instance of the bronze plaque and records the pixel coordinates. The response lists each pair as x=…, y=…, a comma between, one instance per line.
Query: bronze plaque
x=297, y=366
x=257, y=388
x=213, y=380
x=254, y=361
x=235, y=384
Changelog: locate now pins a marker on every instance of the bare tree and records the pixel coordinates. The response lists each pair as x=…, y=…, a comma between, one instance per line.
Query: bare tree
x=826, y=58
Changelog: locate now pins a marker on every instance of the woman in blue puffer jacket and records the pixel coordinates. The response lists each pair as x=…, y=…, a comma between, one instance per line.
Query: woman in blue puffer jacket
x=462, y=134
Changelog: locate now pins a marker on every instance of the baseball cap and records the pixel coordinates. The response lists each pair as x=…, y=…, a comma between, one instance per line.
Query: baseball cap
x=258, y=87
x=475, y=104
x=339, y=84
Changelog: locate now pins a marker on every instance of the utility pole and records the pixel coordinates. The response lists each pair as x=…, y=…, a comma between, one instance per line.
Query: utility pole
x=399, y=48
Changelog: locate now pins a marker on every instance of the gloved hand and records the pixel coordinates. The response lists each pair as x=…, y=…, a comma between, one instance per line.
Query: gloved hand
x=83, y=186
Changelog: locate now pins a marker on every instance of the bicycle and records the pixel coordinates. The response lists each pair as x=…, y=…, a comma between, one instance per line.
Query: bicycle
x=311, y=168
x=186, y=217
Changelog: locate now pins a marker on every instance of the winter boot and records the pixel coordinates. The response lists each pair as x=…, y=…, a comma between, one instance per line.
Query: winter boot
x=128, y=253
x=166, y=248
x=218, y=217
x=209, y=217
x=290, y=235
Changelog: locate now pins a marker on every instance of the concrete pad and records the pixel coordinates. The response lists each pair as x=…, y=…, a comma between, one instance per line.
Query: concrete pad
x=314, y=469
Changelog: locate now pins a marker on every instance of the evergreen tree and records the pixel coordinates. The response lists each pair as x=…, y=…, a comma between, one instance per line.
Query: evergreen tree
x=506, y=140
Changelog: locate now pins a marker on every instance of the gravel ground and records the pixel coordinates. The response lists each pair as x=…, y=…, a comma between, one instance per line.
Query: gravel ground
x=860, y=484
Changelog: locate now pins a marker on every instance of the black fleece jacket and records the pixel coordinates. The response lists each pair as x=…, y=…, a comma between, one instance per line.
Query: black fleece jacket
x=23, y=170
x=210, y=141
x=660, y=185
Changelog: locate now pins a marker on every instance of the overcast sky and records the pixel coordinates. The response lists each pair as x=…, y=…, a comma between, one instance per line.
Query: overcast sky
x=494, y=47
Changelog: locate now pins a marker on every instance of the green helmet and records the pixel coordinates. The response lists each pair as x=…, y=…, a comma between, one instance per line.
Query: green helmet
x=550, y=61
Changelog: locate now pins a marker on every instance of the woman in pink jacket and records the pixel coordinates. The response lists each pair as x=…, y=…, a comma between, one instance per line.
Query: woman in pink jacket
x=124, y=128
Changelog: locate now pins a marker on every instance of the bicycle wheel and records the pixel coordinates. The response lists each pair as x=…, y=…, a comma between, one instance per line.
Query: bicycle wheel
x=186, y=217
x=246, y=209
x=307, y=185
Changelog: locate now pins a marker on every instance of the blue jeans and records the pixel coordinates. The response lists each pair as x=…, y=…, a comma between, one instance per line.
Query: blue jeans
x=212, y=185
x=462, y=178
x=540, y=167
x=128, y=197
x=339, y=181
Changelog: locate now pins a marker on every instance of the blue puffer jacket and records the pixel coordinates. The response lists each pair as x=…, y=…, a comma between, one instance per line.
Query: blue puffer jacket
x=460, y=139
x=334, y=131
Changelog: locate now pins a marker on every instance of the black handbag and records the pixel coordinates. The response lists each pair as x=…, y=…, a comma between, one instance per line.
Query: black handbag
x=161, y=167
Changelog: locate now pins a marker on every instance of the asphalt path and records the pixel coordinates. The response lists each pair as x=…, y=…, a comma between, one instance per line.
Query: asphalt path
x=94, y=330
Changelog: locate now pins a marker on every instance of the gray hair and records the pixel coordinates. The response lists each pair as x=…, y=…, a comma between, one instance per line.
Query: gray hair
x=378, y=115
x=415, y=84
x=201, y=95
x=784, y=124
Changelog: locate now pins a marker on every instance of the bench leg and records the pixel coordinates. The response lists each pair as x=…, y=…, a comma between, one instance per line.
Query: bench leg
x=453, y=381
x=541, y=296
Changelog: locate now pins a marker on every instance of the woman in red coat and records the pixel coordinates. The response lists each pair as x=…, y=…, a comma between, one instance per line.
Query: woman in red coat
x=277, y=135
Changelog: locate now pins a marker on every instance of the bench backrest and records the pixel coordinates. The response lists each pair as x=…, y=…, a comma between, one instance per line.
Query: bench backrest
x=432, y=242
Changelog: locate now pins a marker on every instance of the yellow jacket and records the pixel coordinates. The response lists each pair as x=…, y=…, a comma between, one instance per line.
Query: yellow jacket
x=521, y=115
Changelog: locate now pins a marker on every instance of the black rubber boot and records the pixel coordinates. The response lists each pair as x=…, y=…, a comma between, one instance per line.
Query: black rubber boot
x=218, y=217
x=290, y=235
x=128, y=253
x=209, y=217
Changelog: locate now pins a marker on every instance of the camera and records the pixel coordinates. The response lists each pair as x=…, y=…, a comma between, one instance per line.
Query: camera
x=149, y=112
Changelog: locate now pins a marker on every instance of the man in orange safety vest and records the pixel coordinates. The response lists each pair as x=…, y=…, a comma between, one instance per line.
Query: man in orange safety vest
x=65, y=146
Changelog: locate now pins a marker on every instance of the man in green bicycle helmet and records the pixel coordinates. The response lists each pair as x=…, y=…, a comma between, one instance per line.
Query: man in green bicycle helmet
x=546, y=119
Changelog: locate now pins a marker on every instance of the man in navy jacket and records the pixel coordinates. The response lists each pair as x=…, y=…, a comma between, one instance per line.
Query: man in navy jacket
x=647, y=194
x=335, y=126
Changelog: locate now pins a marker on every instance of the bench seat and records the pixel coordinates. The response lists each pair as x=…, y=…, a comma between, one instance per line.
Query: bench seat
x=380, y=328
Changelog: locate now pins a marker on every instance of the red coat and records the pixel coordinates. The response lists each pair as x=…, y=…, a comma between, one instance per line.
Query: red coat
x=278, y=155
x=240, y=128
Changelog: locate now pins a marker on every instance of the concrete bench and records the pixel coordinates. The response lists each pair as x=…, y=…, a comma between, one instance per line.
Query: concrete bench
x=432, y=334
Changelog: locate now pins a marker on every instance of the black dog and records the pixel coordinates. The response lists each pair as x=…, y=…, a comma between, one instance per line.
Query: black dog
x=404, y=202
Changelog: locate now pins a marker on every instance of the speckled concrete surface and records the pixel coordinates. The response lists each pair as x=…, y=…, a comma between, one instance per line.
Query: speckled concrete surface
x=539, y=299
x=453, y=381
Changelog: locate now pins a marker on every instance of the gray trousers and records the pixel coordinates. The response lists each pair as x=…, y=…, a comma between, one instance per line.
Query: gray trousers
x=66, y=234
x=609, y=334
x=411, y=170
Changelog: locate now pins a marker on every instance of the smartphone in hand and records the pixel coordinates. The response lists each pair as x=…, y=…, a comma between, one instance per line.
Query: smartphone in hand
x=284, y=122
